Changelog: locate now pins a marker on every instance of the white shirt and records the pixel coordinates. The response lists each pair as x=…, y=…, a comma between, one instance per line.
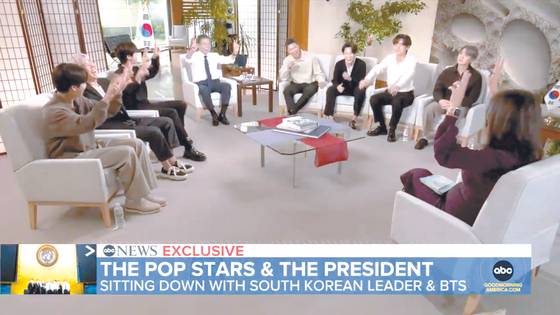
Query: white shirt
x=214, y=59
x=400, y=74
x=98, y=88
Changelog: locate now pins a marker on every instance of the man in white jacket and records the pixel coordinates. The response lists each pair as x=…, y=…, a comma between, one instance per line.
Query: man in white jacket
x=400, y=67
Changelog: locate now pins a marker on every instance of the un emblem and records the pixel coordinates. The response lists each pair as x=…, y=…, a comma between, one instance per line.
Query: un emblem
x=47, y=255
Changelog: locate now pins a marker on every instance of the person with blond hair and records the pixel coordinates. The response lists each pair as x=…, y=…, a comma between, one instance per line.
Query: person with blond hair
x=159, y=132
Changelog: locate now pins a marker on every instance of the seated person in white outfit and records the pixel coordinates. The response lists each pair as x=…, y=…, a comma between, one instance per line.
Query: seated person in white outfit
x=400, y=67
x=205, y=73
x=70, y=123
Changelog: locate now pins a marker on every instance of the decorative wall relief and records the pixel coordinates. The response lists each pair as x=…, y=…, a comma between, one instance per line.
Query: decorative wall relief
x=525, y=33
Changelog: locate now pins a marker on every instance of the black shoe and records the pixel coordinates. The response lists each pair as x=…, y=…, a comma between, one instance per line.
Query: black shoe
x=215, y=119
x=195, y=155
x=391, y=137
x=223, y=119
x=377, y=131
x=421, y=144
x=352, y=124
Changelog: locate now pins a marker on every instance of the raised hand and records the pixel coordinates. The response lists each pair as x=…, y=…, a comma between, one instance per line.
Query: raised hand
x=458, y=93
x=145, y=57
x=235, y=47
x=496, y=75
x=346, y=76
x=156, y=51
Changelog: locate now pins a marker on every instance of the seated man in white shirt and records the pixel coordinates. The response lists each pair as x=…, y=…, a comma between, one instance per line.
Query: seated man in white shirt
x=400, y=67
x=303, y=72
x=206, y=75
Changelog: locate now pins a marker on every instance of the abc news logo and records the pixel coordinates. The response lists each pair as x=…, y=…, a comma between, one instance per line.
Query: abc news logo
x=503, y=270
x=109, y=250
x=130, y=250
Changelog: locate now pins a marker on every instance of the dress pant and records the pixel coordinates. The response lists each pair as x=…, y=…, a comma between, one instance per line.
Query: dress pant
x=431, y=113
x=175, y=110
x=332, y=93
x=306, y=89
x=179, y=106
x=206, y=88
x=129, y=159
x=159, y=132
x=398, y=103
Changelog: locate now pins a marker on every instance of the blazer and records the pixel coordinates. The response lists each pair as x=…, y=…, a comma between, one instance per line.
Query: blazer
x=480, y=170
x=120, y=119
x=358, y=74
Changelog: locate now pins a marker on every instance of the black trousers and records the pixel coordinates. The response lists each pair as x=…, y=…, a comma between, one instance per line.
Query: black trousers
x=205, y=89
x=332, y=93
x=175, y=110
x=158, y=132
x=398, y=103
x=306, y=89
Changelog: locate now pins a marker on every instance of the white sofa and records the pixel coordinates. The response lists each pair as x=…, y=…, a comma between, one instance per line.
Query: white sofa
x=190, y=90
x=344, y=104
x=317, y=102
x=424, y=80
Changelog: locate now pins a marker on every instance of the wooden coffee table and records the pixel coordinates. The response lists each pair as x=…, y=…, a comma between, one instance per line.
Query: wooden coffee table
x=251, y=84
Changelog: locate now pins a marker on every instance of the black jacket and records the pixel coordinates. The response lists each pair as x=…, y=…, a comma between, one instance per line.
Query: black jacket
x=358, y=74
x=121, y=120
x=137, y=93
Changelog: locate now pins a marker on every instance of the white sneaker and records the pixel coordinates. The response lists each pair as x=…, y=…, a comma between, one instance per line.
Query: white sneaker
x=173, y=173
x=141, y=206
x=185, y=167
x=155, y=199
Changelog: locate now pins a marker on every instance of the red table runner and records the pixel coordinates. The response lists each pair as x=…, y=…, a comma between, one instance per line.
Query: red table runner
x=329, y=149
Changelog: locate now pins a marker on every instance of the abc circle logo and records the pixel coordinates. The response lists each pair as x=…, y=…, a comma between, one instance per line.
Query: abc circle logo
x=109, y=250
x=503, y=270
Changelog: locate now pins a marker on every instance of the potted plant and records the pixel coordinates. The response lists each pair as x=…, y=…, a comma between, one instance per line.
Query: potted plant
x=215, y=15
x=246, y=41
x=375, y=23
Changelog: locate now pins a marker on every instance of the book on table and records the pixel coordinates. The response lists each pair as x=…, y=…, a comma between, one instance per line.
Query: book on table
x=438, y=183
x=301, y=126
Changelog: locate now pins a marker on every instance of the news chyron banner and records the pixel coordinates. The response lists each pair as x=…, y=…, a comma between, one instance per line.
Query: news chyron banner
x=266, y=269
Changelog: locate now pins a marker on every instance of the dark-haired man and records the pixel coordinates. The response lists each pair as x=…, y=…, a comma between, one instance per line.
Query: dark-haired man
x=304, y=73
x=400, y=67
x=205, y=73
x=442, y=92
x=347, y=75
x=135, y=95
x=70, y=123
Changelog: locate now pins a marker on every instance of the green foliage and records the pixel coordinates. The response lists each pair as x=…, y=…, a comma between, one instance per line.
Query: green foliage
x=375, y=23
x=215, y=25
x=246, y=41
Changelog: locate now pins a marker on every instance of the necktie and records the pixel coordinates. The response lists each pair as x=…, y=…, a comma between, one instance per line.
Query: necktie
x=207, y=69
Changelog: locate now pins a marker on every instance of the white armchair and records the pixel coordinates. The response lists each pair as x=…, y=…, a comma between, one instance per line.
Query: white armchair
x=317, y=102
x=521, y=209
x=190, y=90
x=424, y=79
x=344, y=104
x=43, y=181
